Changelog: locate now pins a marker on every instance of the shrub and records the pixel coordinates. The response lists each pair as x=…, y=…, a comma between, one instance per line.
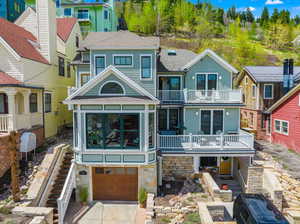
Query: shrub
x=142, y=196
x=83, y=194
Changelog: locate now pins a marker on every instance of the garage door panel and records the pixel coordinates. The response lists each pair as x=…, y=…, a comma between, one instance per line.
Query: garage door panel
x=115, y=184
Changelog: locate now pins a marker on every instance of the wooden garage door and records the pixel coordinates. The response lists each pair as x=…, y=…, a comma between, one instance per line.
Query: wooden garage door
x=115, y=183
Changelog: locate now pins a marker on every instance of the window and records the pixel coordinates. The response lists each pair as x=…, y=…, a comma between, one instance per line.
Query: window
x=57, y=3
x=253, y=91
x=61, y=66
x=112, y=131
x=85, y=57
x=168, y=119
x=84, y=78
x=282, y=127
x=268, y=91
x=99, y=64
x=33, y=103
x=211, y=122
x=3, y=103
x=68, y=69
x=75, y=127
x=208, y=162
x=123, y=60
x=246, y=80
x=146, y=68
x=151, y=130
x=77, y=41
x=68, y=12
x=83, y=14
x=105, y=14
x=47, y=102
x=207, y=82
x=112, y=88
x=105, y=30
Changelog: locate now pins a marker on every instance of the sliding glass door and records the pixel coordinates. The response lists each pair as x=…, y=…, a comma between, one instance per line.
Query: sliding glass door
x=207, y=82
x=168, y=119
x=211, y=122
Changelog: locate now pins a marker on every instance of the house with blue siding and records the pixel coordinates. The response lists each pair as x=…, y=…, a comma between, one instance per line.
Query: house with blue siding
x=11, y=9
x=143, y=115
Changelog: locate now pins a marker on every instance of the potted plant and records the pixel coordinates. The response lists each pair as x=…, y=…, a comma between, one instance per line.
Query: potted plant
x=142, y=197
x=83, y=195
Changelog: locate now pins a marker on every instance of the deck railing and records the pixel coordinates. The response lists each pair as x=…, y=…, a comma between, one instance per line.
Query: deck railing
x=240, y=140
x=6, y=123
x=63, y=200
x=200, y=96
x=213, y=96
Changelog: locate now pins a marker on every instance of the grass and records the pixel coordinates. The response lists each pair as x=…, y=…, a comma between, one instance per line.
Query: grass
x=5, y=210
x=165, y=220
x=192, y=218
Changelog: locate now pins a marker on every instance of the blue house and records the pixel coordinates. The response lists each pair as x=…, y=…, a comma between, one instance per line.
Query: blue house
x=143, y=115
x=11, y=9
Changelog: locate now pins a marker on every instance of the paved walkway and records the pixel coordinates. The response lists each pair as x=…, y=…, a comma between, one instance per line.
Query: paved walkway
x=110, y=213
x=289, y=159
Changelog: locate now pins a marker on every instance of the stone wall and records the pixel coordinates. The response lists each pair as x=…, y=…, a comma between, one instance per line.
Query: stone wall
x=45, y=215
x=148, y=178
x=273, y=187
x=177, y=166
x=255, y=179
x=4, y=155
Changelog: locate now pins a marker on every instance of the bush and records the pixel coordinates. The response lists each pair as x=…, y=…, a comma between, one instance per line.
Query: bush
x=83, y=194
x=143, y=197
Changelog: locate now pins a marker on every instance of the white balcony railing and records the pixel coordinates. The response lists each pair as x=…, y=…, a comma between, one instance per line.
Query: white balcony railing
x=6, y=123
x=200, y=96
x=213, y=96
x=242, y=140
x=63, y=200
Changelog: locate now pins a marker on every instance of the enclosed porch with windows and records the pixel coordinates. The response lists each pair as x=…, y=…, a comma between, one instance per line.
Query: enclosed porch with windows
x=20, y=108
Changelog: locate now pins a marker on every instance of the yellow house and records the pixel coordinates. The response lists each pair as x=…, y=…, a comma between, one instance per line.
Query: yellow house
x=35, y=70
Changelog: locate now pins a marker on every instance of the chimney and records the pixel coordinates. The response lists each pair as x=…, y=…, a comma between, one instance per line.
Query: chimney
x=286, y=75
x=47, y=37
x=291, y=73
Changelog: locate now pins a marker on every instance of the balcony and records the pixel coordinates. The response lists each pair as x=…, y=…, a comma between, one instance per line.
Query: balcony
x=240, y=142
x=200, y=96
x=8, y=122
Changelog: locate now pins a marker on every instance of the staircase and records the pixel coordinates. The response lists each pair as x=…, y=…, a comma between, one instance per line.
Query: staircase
x=59, y=184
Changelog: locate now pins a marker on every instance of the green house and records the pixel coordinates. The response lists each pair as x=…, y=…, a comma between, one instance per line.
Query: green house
x=92, y=15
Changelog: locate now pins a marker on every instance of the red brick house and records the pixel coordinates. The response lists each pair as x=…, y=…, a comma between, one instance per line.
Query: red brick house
x=285, y=120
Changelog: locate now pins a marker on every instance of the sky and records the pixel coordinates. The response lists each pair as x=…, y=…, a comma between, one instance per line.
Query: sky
x=257, y=5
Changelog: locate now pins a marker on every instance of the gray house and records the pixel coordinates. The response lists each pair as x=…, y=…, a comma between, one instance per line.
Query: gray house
x=144, y=114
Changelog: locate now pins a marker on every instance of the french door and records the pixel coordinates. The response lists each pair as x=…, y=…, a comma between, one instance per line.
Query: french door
x=211, y=122
x=207, y=82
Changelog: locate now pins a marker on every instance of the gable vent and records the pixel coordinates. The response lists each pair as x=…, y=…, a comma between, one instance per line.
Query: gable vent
x=172, y=52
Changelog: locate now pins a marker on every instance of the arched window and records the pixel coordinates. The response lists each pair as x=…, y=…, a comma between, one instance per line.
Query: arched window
x=112, y=88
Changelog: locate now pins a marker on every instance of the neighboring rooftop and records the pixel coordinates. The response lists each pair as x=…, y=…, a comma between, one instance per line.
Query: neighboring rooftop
x=174, y=60
x=65, y=27
x=118, y=40
x=6, y=79
x=270, y=73
x=83, y=2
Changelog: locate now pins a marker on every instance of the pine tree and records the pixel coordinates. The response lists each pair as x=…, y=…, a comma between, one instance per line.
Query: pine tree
x=264, y=19
x=275, y=16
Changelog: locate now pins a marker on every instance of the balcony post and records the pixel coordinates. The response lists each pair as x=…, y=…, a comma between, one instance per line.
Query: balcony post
x=12, y=108
x=26, y=95
x=191, y=140
x=146, y=120
x=196, y=160
x=222, y=141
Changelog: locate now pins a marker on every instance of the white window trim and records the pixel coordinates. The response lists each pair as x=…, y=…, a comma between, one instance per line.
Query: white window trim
x=280, y=131
x=68, y=15
x=79, y=81
x=212, y=119
x=122, y=66
x=268, y=98
x=99, y=55
x=206, y=82
x=254, y=96
x=111, y=81
x=151, y=67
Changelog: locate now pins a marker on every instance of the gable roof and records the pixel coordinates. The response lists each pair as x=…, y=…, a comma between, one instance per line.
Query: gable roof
x=284, y=98
x=20, y=40
x=65, y=27
x=166, y=62
x=118, y=40
x=214, y=56
x=6, y=79
x=269, y=73
x=108, y=71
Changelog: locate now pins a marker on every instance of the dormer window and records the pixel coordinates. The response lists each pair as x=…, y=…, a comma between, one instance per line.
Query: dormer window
x=112, y=88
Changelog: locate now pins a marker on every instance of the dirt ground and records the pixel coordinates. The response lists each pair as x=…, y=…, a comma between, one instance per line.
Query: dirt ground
x=289, y=159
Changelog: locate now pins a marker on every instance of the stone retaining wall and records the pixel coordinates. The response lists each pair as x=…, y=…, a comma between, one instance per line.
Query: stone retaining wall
x=273, y=187
x=40, y=215
x=177, y=166
x=255, y=179
x=148, y=178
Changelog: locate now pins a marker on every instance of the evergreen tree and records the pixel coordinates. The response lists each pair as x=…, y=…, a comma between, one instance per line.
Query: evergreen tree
x=275, y=16
x=232, y=13
x=249, y=16
x=264, y=19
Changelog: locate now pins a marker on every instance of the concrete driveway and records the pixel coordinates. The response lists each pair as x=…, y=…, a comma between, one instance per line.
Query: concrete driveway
x=110, y=213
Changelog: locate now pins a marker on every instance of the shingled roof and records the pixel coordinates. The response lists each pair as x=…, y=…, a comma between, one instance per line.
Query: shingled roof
x=269, y=73
x=6, y=79
x=118, y=40
x=65, y=27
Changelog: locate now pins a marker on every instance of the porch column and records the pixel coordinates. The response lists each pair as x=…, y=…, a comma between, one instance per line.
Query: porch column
x=196, y=160
x=146, y=120
x=26, y=95
x=11, y=94
x=40, y=101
